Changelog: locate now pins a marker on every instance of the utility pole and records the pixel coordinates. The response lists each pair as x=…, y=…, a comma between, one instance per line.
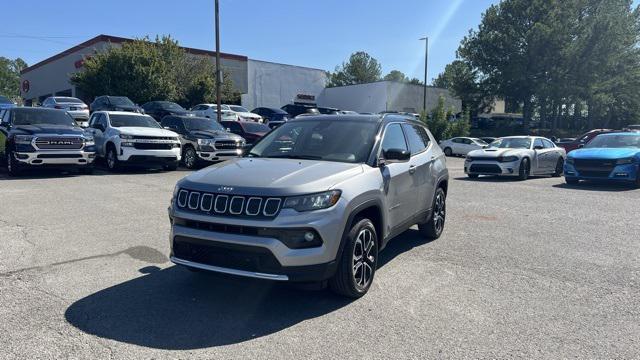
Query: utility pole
x=426, y=62
x=218, y=70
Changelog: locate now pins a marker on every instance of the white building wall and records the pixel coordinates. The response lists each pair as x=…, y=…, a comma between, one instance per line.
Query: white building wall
x=410, y=98
x=275, y=85
x=371, y=97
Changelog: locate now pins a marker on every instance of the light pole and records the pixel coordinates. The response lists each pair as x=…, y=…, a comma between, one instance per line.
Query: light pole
x=426, y=62
x=218, y=71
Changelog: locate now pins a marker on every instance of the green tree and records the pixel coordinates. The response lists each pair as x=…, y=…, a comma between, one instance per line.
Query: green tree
x=461, y=126
x=437, y=121
x=462, y=81
x=146, y=71
x=10, y=77
x=359, y=69
x=396, y=75
x=416, y=81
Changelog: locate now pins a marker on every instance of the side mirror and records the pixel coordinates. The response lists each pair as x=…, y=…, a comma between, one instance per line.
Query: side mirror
x=228, y=130
x=396, y=155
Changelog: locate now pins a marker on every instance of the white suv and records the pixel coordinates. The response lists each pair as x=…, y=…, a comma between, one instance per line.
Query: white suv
x=131, y=138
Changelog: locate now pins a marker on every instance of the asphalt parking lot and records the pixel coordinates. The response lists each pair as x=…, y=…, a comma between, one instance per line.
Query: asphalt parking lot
x=531, y=269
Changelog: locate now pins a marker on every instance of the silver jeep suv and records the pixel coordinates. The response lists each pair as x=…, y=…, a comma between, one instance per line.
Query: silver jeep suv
x=316, y=199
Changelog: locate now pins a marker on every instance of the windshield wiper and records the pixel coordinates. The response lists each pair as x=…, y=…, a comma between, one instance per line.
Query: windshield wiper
x=302, y=157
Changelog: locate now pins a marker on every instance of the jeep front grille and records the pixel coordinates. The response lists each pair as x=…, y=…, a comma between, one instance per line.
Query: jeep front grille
x=59, y=143
x=228, y=205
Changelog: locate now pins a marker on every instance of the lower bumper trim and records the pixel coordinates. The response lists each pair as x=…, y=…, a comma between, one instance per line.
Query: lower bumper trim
x=250, y=274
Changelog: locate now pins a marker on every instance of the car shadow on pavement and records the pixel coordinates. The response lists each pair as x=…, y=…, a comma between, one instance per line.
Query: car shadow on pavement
x=598, y=186
x=176, y=309
x=497, y=179
x=36, y=174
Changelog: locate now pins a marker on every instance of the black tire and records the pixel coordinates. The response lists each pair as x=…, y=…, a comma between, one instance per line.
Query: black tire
x=13, y=168
x=473, y=176
x=571, y=181
x=171, y=167
x=525, y=169
x=190, y=157
x=559, y=168
x=358, y=263
x=433, y=228
x=113, y=164
x=448, y=151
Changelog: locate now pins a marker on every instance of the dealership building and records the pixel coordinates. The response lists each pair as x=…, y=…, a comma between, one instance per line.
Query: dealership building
x=261, y=83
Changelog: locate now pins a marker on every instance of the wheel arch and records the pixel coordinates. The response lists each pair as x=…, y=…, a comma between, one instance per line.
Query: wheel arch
x=371, y=210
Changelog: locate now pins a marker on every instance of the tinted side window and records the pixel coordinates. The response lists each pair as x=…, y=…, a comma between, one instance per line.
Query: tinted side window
x=416, y=142
x=538, y=142
x=548, y=144
x=394, y=138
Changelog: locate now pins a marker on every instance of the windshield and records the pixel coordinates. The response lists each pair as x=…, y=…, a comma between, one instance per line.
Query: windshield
x=121, y=120
x=120, y=100
x=69, y=100
x=342, y=141
x=615, y=141
x=194, y=124
x=512, y=143
x=5, y=100
x=42, y=117
x=255, y=127
x=237, y=108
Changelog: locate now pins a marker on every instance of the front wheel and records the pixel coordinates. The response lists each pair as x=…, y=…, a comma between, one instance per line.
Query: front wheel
x=113, y=164
x=559, y=168
x=13, y=169
x=190, y=158
x=432, y=229
x=448, y=151
x=525, y=169
x=358, y=263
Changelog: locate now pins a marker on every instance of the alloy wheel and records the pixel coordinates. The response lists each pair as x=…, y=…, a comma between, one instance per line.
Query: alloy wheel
x=190, y=158
x=111, y=161
x=364, y=260
x=9, y=163
x=439, y=213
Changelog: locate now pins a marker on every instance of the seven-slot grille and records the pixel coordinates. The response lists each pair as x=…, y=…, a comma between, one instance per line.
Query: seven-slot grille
x=228, y=204
x=60, y=143
x=227, y=145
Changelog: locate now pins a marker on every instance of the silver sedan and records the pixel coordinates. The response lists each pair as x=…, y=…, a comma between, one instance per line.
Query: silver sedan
x=520, y=156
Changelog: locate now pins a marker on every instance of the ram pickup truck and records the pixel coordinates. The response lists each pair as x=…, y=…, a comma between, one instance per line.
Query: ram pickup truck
x=318, y=207
x=203, y=140
x=40, y=137
x=129, y=138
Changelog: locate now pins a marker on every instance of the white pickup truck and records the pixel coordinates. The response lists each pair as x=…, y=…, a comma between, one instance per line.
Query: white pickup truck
x=126, y=138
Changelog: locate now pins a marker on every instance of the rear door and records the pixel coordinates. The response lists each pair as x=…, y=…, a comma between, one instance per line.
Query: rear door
x=400, y=186
x=421, y=162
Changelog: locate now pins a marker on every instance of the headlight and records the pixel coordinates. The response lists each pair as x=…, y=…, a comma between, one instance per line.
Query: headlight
x=89, y=141
x=23, y=139
x=205, y=141
x=313, y=202
x=625, y=161
x=127, y=137
x=569, y=160
x=507, y=158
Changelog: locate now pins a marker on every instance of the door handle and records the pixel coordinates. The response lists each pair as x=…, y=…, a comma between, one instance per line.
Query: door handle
x=412, y=169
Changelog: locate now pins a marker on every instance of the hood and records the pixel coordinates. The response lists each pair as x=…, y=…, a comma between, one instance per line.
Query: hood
x=249, y=115
x=146, y=131
x=45, y=129
x=214, y=134
x=274, y=177
x=495, y=152
x=604, y=153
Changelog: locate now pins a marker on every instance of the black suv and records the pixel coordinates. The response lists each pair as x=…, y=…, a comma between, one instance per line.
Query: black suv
x=160, y=109
x=297, y=109
x=114, y=103
x=37, y=137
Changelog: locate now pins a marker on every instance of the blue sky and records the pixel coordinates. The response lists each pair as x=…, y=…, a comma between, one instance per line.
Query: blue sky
x=319, y=34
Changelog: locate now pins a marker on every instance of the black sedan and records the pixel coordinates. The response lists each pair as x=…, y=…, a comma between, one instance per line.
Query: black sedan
x=160, y=109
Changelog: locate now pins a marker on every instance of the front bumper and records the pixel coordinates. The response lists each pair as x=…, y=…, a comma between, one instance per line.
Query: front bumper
x=258, y=256
x=56, y=158
x=219, y=155
x=486, y=167
x=133, y=155
x=623, y=173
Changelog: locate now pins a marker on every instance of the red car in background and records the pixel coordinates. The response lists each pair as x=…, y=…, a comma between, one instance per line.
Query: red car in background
x=249, y=130
x=583, y=139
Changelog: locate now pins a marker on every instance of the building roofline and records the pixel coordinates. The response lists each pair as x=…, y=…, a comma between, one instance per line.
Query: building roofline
x=120, y=40
x=296, y=66
x=388, y=81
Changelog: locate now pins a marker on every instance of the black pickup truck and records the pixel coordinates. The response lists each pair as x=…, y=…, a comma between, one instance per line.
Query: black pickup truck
x=41, y=137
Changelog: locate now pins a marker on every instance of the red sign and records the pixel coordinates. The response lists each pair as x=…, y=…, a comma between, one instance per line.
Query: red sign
x=80, y=63
x=26, y=86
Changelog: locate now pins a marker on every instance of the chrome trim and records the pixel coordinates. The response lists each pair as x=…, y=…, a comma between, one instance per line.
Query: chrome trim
x=249, y=203
x=82, y=139
x=250, y=274
x=189, y=201
x=215, y=206
x=202, y=202
x=178, y=198
x=266, y=203
x=231, y=205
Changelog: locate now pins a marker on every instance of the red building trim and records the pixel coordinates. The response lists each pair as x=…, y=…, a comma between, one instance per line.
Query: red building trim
x=120, y=40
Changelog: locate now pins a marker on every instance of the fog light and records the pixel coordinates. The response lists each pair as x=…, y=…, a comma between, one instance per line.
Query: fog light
x=622, y=174
x=22, y=156
x=309, y=236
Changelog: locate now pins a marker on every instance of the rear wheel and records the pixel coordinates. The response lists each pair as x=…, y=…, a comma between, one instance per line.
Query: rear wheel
x=358, y=263
x=525, y=169
x=559, y=168
x=433, y=228
x=13, y=169
x=448, y=151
